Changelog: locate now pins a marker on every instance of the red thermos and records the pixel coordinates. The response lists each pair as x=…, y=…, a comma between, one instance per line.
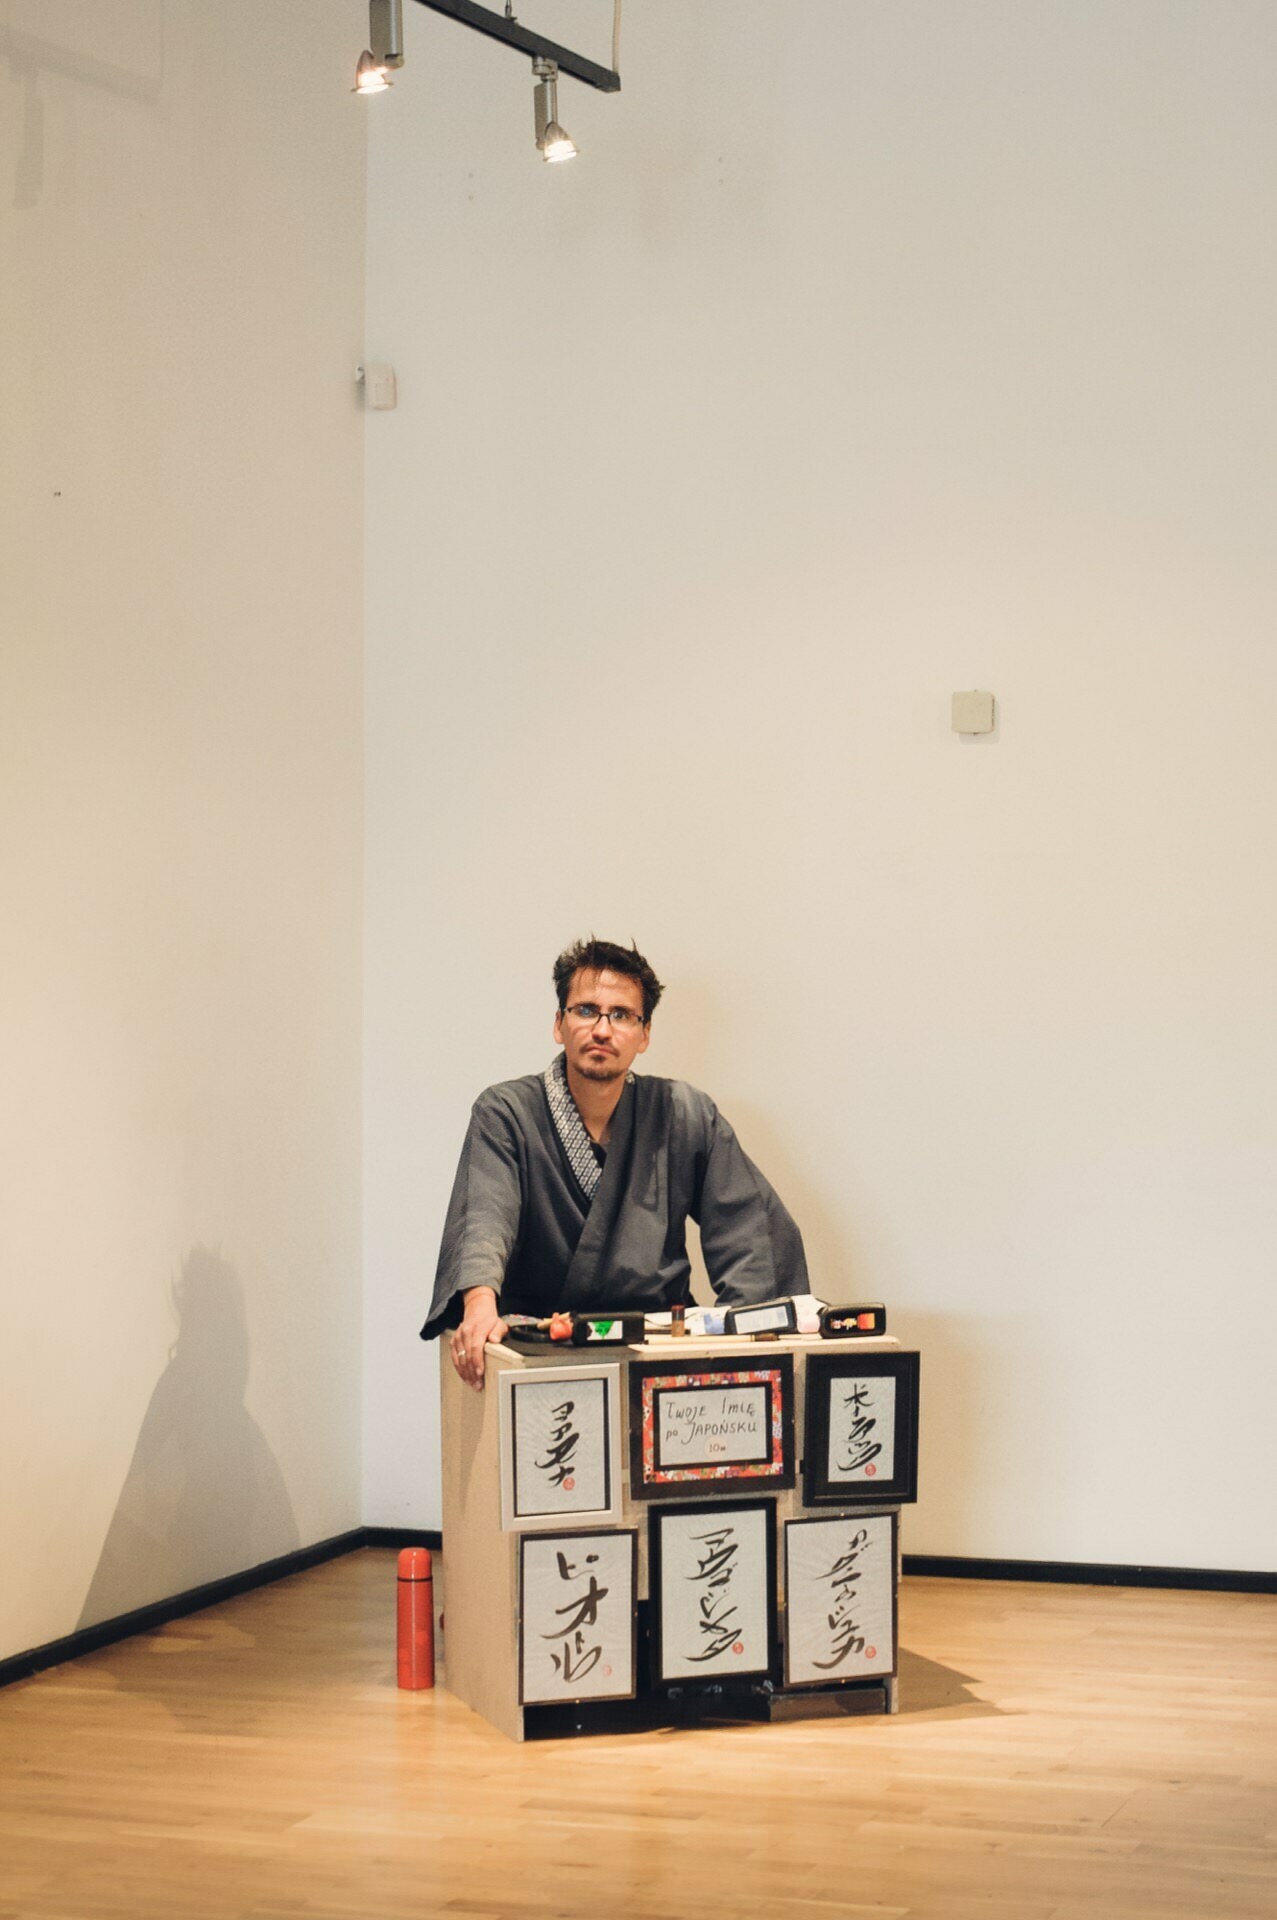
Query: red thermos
x=416, y=1619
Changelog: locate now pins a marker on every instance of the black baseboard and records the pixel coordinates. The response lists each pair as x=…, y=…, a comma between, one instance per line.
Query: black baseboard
x=24, y=1666
x=1081, y=1574
x=402, y=1537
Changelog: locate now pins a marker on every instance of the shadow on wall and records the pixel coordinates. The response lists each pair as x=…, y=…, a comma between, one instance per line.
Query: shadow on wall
x=204, y=1496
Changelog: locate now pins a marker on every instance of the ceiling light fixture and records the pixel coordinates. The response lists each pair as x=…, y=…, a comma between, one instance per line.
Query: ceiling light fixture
x=549, y=60
x=385, y=46
x=552, y=142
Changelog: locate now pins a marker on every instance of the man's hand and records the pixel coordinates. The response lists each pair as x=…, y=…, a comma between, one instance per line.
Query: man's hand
x=481, y=1323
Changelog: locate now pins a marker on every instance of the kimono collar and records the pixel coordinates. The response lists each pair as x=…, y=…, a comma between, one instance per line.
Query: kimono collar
x=568, y=1124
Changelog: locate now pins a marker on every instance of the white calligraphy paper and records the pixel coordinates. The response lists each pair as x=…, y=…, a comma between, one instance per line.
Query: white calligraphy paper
x=839, y=1599
x=577, y=1617
x=713, y=1595
x=560, y=1439
x=712, y=1426
x=862, y=1429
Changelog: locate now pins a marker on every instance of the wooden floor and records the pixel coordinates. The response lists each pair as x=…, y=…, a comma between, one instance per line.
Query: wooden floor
x=1062, y=1753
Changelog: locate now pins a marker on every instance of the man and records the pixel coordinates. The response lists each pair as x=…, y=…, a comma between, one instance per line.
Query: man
x=576, y=1184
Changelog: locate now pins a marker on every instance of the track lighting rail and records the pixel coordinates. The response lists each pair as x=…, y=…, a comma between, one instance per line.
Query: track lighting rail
x=498, y=27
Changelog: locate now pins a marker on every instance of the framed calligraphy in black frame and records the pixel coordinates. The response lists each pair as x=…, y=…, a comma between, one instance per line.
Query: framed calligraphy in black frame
x=698, y=1425
x=840, y=1598
x=861, y=1429
x=560, y=1436
x=713, y=1591
x=578, y=1623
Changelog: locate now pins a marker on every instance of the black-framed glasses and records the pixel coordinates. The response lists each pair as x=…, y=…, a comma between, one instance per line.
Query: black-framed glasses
x=588, y=1015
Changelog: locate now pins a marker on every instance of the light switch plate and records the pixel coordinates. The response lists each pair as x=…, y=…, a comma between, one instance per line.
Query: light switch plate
x=973, y=713
x=380, y=387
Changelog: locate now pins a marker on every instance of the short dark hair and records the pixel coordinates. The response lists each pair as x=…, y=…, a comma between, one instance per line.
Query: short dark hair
x=596, y=955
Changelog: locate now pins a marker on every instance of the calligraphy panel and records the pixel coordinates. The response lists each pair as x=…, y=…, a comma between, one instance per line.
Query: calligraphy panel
x=577, y=1617
x=840, y=1598
x=861, y=1428
x=713, y=1591
x=560, y=1445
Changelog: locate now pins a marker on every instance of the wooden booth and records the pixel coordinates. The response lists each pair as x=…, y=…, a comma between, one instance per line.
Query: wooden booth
x=711, y=1520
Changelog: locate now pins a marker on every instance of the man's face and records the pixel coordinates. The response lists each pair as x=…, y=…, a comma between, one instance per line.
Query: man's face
x=598, y=1049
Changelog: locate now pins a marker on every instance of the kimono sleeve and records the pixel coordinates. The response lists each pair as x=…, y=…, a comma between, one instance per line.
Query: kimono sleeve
x=482, y=1224
x=752, y=1247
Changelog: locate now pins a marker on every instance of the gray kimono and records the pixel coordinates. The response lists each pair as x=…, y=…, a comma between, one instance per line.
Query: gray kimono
x=521, y=1219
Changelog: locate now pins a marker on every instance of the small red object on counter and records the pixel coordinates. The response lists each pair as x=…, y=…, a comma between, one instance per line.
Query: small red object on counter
x=560, y=1326
x=416, y=1619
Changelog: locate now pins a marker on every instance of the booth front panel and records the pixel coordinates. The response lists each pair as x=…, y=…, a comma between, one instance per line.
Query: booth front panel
x=684, y=1523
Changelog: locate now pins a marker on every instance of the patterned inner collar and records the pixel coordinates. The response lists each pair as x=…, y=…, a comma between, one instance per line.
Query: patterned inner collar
x=582, y=1155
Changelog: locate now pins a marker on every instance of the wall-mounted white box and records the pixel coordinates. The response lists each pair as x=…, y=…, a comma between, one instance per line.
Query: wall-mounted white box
x=973, y=713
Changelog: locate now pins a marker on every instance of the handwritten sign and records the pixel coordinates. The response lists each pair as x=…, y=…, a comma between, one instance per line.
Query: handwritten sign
x=839, y=1599
x=712, y=1426
x=698, y=1421
x=713, y=1592
x=862, y=1429
x=576, y=1621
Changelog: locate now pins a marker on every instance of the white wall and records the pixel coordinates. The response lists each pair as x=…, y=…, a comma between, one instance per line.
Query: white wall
x=867, y=353
x=182, y=229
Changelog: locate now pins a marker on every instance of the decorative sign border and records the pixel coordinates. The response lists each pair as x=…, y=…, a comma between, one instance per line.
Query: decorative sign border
x=650, y=1378
x=831, y=1606
x=575, y=1549
x=892, y=1478
x=712, y=1604
x=607, y=1437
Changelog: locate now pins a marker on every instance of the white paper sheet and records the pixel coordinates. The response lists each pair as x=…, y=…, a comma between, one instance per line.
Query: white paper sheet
x=839, y=1598
x=712, y=1426
x=560, y=1447
x=862, y=1429
x=577, y=1617
x=713, y=1594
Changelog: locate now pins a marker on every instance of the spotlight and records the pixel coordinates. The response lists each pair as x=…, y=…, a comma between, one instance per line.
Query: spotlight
x=558, y=144
x=385, y=46
x=552, y=142
x=370, y=75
